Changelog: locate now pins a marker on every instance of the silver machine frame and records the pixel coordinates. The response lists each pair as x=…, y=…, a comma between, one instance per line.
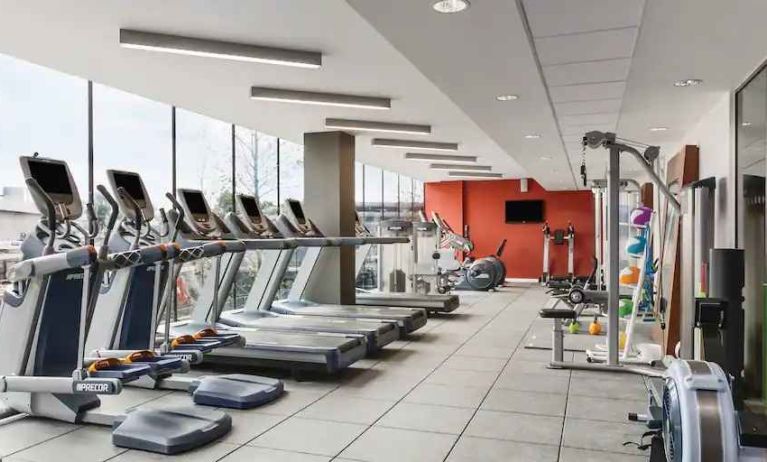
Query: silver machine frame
x=616, y=147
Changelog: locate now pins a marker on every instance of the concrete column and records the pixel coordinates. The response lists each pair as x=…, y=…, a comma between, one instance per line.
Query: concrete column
x=329, y=202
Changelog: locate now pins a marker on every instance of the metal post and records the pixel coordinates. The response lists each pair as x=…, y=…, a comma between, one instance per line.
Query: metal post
x=598, y=277
x=687, y=278
x=613, y=268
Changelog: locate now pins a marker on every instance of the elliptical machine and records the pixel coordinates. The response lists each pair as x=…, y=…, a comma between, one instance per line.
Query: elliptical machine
x=482, y=274
x=44, y=371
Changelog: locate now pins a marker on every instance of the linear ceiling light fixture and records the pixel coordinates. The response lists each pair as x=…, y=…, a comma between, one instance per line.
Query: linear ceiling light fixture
x=461, y=174
x=322, y=99
x=439, y=157
x=483, y=168
x=370, y=126
x=408, y=144
x=218, y=49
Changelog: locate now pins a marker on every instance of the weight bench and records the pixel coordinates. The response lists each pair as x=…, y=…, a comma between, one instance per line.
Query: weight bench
x=557, y=333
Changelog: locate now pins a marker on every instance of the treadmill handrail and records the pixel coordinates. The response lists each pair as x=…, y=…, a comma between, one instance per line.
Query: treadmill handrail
x=386, y=240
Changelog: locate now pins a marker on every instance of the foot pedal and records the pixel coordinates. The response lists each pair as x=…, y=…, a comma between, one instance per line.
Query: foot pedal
x=169, y=431
x=237, y=391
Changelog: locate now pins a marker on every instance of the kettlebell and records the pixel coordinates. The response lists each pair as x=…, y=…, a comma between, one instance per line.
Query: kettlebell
x=574, y=327
x=595, y=328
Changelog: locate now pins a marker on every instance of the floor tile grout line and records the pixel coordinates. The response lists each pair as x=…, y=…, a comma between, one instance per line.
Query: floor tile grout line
x=42, y=442
x=493, y=317
x=564, y=420
x=490, y=389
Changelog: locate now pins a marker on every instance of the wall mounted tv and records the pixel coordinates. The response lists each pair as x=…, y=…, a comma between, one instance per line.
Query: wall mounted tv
x=524, y=212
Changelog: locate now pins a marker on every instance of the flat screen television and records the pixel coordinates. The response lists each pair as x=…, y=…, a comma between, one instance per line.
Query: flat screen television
x=524, y=212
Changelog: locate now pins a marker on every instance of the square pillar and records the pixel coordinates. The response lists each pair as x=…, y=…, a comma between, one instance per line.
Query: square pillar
x=329, y=203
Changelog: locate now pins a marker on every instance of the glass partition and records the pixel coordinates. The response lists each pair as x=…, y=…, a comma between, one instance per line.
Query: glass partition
x=751, y=149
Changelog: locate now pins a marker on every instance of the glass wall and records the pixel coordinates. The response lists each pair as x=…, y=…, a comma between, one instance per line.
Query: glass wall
x=405, y=197
x=47, y=112
x=134, y=134
x=204, y=162
x=390, y=195
x=751, y=148
x=418, y=197
x=291, y=171
x=43, y=111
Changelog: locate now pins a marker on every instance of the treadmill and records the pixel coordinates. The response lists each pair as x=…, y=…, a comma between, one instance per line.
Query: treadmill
x=395, y=233
x=295, y=351
x=378, y=333
x=294, y=223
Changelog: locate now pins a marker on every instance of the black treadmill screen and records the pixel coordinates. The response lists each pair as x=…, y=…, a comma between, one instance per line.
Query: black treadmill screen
x=251, y=208
x=52, y=177
x=196, y=203
x=132, y=185
x=297, y=210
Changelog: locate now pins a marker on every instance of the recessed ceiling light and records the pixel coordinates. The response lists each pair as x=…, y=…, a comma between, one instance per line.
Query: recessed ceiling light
x=450, y=6
x=410, y=144
x=485, y=168
x=746, y=124
x=688, y=82
x=323, y=99
x=423, y=156
x=177, y=44
x=658, y=129
x=370, y=126
x=545, y=158
x=507, y=97
x=532, y=136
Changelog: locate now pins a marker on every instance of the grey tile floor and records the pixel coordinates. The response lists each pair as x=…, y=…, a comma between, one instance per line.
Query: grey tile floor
x=464, y=388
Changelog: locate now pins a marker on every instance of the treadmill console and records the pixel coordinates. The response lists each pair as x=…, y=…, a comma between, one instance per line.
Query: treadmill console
x=197, y=210
x=254, y=217
x=134, y=186
x=295, y=212
x=56, y=180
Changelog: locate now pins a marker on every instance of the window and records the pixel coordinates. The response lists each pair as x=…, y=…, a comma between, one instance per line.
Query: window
x=370, y=215
x=204, y=158
x=418, y=197
x=204, y=162
x=291, y=171
x=134, y=134
x=43, y=111
x=390, y=195
x=406, y=197
x=267, y=173
x=359, y=186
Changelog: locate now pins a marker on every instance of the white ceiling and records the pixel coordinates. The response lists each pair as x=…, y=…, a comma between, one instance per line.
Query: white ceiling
x=81, y=37
x=576, y=65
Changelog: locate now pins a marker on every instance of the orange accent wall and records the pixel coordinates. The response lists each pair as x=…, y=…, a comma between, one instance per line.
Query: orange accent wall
x=481, y=206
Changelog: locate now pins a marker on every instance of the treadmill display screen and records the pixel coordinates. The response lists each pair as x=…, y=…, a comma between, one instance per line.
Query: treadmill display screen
x=298, y=211
x=52, y=177
x=196, y=203
x=251, y=207
x=132, y=185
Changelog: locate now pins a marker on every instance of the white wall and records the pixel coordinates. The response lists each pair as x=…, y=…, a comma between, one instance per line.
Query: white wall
x=712, y=134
